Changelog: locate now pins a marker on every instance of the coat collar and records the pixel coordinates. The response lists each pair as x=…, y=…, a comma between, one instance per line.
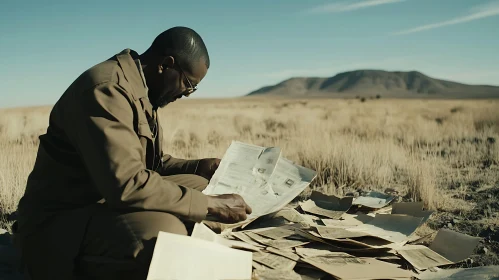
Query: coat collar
x=126, y=60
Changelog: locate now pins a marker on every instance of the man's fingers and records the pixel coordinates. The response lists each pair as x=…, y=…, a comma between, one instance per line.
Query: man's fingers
x=248, y=208
x=242, y=216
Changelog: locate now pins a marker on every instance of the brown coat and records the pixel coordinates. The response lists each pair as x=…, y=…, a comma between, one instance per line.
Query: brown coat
x=101, y=145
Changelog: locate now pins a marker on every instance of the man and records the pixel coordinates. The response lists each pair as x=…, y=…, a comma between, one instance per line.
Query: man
x=101, y=188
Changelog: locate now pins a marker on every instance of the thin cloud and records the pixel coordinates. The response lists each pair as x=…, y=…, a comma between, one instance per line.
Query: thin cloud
x=351, y=6
x=479, y=12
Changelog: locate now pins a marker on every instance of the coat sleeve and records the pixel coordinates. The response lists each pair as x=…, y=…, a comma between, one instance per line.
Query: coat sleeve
x=100, y=123
x=171, y=166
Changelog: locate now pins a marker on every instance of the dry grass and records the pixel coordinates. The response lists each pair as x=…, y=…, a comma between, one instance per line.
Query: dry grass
x=427, y=150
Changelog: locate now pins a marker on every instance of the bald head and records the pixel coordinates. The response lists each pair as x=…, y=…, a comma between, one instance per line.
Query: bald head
x=182, y=43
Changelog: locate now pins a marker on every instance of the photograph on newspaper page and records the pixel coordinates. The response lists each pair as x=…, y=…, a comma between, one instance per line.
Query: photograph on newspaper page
x=177, y=256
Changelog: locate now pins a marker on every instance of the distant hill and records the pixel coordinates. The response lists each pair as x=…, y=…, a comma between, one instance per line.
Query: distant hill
x=373, y=82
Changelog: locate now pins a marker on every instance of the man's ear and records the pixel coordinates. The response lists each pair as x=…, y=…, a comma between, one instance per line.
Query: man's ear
x=169, y=61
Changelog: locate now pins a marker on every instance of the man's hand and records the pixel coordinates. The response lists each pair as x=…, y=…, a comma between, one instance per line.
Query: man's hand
x=207, y=167
x=228, y=208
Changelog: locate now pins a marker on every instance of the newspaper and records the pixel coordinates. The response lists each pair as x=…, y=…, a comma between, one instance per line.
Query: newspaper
x=414, y=209
x=348, y=220
x=391, y=227
x=276, y=274
x=327, y=205
x=422, y=257
x=273, y=261
x=201, y=231
x=373, y=200
x=266, y=180
x=350, y=267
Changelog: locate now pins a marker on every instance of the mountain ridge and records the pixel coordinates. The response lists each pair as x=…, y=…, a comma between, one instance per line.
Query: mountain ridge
x=372, y=82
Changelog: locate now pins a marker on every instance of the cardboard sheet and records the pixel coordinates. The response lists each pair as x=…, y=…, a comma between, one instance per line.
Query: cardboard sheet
x=448, y=247
x=453, y=245
x=184, y=257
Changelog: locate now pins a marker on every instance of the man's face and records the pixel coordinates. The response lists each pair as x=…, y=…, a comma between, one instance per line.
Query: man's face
x=176, y=82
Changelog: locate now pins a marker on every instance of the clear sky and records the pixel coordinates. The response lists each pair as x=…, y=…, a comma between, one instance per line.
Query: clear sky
x=46, y=44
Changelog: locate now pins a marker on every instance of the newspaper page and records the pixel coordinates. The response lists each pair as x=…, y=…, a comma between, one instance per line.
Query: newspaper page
x=273, y=261
x=329, y=206
x=276, y=274
x=244, y=169
x=374, y=200
x=392, y=227
x=414, y=209
x=351, y=267
x=201, y=231
x=266, y=180
x=422, y=257
x=184, y=257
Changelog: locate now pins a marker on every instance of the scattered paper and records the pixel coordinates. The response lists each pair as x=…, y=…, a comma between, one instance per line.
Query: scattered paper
x=259, y=266
x=351, y=267
x=286, y=243
x=276, y=274
x=337, y=233
x=448, y=247
x=311, y=273
x=243, y=237
x=327, y=205
x=313, y=252
x=453, y=245
x=287, y=254
x=266, y=180
x=277, y=233
x=373, y=200
x=258, y=238
x=292, y=215
x=201, y=231
x=273, y=261
x=348, y=220
x=414, y=209
x=422, y=257
x=184, y=257
x=394, y=228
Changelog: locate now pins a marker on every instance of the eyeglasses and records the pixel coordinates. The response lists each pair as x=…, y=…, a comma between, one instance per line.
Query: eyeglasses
x=191, y=88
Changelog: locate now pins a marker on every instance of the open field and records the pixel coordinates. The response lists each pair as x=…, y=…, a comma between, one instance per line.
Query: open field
x=443, y=152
